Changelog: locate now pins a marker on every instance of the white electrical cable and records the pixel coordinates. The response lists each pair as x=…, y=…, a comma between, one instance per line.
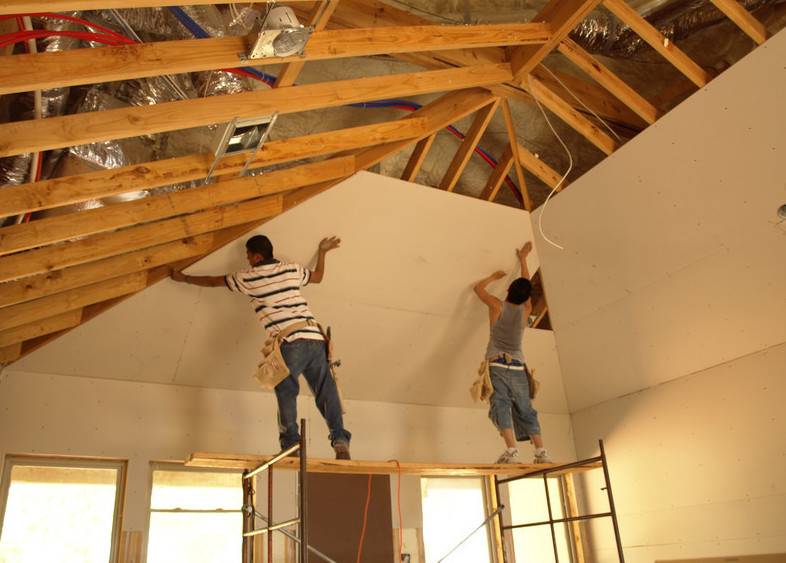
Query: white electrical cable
x=570, y=166
x=585, y=106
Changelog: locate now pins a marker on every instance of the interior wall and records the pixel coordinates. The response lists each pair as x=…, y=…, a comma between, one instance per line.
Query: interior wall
x=80, y=416
x=668, y=306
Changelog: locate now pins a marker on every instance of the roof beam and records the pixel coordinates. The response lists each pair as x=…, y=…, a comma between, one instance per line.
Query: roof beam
x=744, y=20
x=60, y=228
x=56, y=192
x=38, y=309
x=572, y=117
x=563, y=16
x=417, y=157
x=34, y=287
x=35, y=6
x=498, y=175
x=513, y=142
x=61, y=256
x=69, y=130
x=468, y=144
x=40, y=71
x=609, y=80
x=658, y=41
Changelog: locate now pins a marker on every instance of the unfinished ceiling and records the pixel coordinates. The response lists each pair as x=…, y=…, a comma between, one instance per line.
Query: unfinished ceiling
x=109, y=134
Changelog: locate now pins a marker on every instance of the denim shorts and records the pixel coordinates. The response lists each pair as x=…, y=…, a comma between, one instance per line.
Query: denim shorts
x=509, y=404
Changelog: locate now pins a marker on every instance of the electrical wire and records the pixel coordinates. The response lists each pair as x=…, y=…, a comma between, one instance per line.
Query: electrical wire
x=71, y=19
x=18, y=36
x=575, y=97
x=365, y=518
x=570, y=166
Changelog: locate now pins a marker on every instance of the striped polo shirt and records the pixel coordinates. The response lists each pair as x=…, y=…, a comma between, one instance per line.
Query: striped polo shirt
x=274, y=290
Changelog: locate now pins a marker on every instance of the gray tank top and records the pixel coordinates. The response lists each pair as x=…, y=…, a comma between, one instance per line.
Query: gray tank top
x=505, y=334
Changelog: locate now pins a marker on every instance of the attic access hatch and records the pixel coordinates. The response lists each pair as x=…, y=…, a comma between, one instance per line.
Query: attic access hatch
x=239, y=136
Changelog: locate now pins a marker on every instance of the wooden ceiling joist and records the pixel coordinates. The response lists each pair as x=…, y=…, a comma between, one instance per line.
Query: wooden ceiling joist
x=68, y=190
x=667, y=49
x=352, y=14
x=417, y=157
x=38, y=328
x=61, y=256
x=36, y=6
x=744, y=20
x=50, y=283
x=59, y=228
x=60, y=271
x=59, y=132
x=526, y=201
x=609, y=80
x=40, y=71
x=563, y=16
x=543, y=171
x=570, y=116
x=467, y=147
x=24, y=313
x=498, y=175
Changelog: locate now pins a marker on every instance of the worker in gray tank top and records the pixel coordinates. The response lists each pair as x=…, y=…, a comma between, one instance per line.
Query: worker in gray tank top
x=510, y=407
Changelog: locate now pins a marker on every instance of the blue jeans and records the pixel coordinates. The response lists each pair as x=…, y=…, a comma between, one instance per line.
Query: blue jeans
x=510, y=406
x=308, y=357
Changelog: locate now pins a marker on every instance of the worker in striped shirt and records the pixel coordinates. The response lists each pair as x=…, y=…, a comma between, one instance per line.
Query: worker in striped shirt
x=273, y=288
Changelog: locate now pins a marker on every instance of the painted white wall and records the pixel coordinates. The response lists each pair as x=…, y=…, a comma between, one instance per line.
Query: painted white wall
x=668, y=303
x=80, y=416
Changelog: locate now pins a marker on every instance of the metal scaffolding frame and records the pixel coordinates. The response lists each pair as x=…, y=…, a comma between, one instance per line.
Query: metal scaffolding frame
x=586, y=463
x=250, y=514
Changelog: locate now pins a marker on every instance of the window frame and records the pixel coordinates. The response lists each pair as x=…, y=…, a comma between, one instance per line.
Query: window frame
x=72, y=462
x=486, y=500
x=179, y=466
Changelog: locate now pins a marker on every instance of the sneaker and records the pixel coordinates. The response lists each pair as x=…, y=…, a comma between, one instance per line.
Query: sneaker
x=509, y=457
x=342, y=449
x=542, y=457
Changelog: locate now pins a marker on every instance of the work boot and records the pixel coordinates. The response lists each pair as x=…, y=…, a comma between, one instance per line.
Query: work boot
x=342, y=449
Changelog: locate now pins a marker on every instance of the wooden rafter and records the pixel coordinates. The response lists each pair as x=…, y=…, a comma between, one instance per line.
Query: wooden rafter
x=69, y=130
x=61, y=271
x=39, y=71
x=60, y=228
x=609, y=80
x=563, y=16
x=567, y=113
x=658, y=41
x=498, y=175
x=511, y=129
x=743, y=18
x=36, y=6
x=26, y=198
x=468, y=144
x=417, y=157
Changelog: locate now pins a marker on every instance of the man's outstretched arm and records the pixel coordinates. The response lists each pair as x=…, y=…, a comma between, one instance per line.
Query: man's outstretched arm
x=202, y=281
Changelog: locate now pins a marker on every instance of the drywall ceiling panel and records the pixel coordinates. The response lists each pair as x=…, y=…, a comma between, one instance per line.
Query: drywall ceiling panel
x=397, y=295
x=673, y=251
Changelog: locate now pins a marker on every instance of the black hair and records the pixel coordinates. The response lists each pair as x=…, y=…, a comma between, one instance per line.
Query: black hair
x=519, y=291
x=260, y=244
